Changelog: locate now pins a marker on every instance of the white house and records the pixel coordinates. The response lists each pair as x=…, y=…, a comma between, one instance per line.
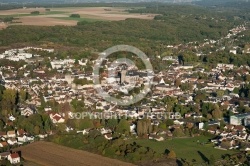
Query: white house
x=12, y=141
x=14, y=158
x=27, y=111
x=11, y=134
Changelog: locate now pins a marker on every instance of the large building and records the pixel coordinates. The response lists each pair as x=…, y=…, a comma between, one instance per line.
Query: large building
x=240, y=119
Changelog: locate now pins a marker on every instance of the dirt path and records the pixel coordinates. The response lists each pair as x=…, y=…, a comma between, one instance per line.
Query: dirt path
x=50, y=154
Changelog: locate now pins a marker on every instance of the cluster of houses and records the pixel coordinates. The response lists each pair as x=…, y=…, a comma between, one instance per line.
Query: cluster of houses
x=21, y=54
x=11, y=138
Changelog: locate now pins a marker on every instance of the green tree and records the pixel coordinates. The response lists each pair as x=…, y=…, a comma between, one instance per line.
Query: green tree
x=123, y=126
x=112, y=123
x=178, y=132
x=9, y=100
x=22, y=94
x=217, y=114
x=85, y=124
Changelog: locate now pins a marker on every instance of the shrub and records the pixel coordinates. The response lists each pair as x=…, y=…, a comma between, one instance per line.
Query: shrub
x=75, y=15
x=35, y=12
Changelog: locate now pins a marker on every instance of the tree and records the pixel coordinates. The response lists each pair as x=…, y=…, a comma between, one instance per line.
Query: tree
x=144, y=127
x=178, y=132
x=85, y=123
x=162, y=125
x=22, y=94
x=35, y=12
x=220, y=93
x=112, y=123
x=75, y=15
x=177, y=82
x=123, y=126
x=172, y=154
x=169, y=122
x=1, y=125
x=36, y=130
x=9, y=100
x=217, y=114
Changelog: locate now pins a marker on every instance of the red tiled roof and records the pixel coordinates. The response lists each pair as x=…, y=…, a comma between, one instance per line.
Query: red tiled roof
x=14, y=155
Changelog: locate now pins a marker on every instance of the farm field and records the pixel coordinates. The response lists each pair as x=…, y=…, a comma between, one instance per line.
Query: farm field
x=50, y=154
x=61, y=16
x=187, y=148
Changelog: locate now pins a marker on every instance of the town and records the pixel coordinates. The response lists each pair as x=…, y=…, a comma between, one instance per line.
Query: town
x=40, y=94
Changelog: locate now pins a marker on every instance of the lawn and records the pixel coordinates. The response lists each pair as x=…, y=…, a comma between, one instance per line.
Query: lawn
x=187, y=148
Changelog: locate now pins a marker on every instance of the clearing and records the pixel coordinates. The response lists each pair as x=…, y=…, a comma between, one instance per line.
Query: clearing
x=61, y=16
x=50, y=154
x=187, y=148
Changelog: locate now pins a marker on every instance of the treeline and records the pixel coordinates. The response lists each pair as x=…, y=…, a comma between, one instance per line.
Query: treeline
x=101, y=35
x=117, y=148
x=6, y=19
x=225, y=11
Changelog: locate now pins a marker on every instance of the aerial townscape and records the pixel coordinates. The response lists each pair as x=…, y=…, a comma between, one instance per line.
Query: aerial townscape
x=125, y=83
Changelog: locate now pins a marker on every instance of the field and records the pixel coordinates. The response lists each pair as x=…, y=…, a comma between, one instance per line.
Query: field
x=60, y=16
x=50, y=154
x=187, y=148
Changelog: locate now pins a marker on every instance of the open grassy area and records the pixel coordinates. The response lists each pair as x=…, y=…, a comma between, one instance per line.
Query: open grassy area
x=187, y=148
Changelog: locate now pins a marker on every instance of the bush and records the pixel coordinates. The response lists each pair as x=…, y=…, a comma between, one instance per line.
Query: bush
x=75, y=15
x=35, y=12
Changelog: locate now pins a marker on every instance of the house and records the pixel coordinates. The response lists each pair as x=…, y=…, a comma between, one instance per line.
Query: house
x=108, y=136
x=11, y=134
x=159, y=138
x=229, y=127
x=20, y=132
x=84, y=132
x=42, y=136
x=14, y=158
x=22, y=138
x=12, y=141
x=239, y=128
x=233, y=51
x=105, y=131
x=4, y=155
x=56, y=118
x=3, y=134
x=27, y=111
x=3, y=144
x=237, y=119
x=212, y=129
x=169, y=133
x=12, y=118
x=132, y=127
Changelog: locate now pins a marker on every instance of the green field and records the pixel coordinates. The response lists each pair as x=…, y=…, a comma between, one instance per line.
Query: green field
x=187, y=148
